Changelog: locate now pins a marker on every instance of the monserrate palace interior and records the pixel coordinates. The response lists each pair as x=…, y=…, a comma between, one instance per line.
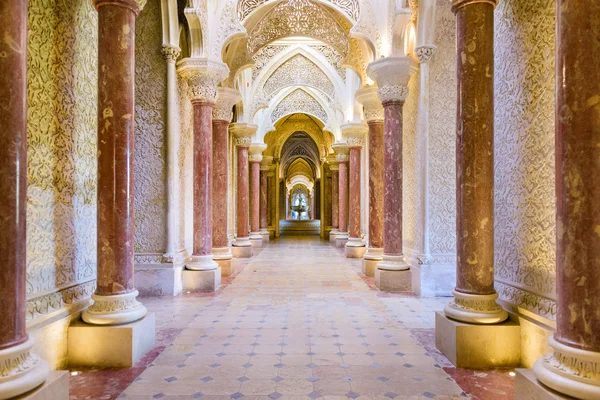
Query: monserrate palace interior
x=300, y=199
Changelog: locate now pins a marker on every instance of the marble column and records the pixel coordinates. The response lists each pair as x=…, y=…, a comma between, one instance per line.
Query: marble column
x=265, y=166
x=573, y=368
x=341, y=150
x=115, y=297
x=354, y=135
x=255, y=158
x=243, y=138
x=474, y=295
x=392, y=75
x=335, y=201
x=222, y=115
x=374, y=115
x=203, y=76
x=22, y=370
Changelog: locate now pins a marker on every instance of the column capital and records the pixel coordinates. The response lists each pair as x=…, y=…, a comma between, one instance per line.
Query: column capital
x=392, y=75
x=226, y=99
x=134, y=5
x=170, y=53
x=354, y=134
x=255, y=152
x=371, y=102
x=202, y=76
x=266, y=163
x=341, y=152
x=458, y=4
x=243, y=133
x=425, y=52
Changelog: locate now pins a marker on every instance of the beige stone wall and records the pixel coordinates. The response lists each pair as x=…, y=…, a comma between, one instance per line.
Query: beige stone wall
x=150, y=197
x=61, y=195
x=524, y=165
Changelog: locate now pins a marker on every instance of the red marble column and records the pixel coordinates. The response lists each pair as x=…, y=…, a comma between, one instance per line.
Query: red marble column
x=219, y=216
x=354, y=187
x=13, y=198
x=264, y=198
x=116, y=116
x=376, y=176
x=335, y=201
x=342, y=236
x=572, y=369
x=255, y=237
x=243, y=196
x=475, y=166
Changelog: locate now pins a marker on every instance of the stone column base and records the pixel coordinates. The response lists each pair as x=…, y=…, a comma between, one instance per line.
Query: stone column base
x=201, y=263
x=527, y=387
x=21, y=369
x=223, y=256
x=202, y=281
x=241, y=248
x=393, y=281
x=111, y=345
x=341, y=239
x=478, y=346
x=264, y=234
x=355, y=248
x=370, y=260
x=56, y=387
x=333, y=235
x=255, y=239
x=158, y=279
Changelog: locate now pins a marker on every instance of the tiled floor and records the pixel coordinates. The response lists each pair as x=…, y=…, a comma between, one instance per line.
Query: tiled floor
x=298, y=322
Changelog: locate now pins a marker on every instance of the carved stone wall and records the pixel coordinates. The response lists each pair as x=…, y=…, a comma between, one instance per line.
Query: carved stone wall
x=150, y=134
x=61, y=172
x=524, y=165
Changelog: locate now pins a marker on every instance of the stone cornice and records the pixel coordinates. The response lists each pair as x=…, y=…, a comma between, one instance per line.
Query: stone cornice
x=458, y=4
x=202, y=76
x=354, y=134
x=371, y=102
x=226, y=99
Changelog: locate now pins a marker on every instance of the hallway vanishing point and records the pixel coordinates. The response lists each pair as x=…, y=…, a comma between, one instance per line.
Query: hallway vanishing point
x=297, y=322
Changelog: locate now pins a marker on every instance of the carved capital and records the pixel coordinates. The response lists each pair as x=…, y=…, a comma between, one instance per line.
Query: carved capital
x=424, y=53
x=371, y=102
x=202, y=76
x=354, y=134
x=392, y=75
x=341, y=158
x=170, y=53
x=255, y=152
x=226, y=98
x=134, y=5
x=243, y=133
x=392, y=93
x=458, y=4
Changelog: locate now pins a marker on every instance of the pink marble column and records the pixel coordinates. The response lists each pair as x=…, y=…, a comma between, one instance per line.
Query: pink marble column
x=573, y=367
x=335, y=202
x=474, y=295
x=354, y=135
x=255, y=237
x=116, y=118
x=243, y=138
x=342, y=159
x=264, y=199
x=15, y=345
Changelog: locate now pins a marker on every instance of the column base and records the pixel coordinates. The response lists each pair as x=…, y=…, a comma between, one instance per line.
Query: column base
x=341, y=239
x=527, y=387
x=255, y=239
x=264, y=234
x=570, y=371
x=110, y=346
x=56, y=387
x=393, y=281
x=201, y=263
x=371, y=259
x=475, y=308
x=202, y=281
x=25, y=370
x=222, y=256
x=393, y=263
x=478, y=346
x=355, y=248
x=333, y=235
x=242, y=248
x=158, y=279
x=114, y=310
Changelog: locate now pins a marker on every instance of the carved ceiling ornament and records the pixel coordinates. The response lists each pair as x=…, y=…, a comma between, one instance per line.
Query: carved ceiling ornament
x=349, y=7
x=299, y=123
x=299, y=101
x=298, y=70
x=298, y=18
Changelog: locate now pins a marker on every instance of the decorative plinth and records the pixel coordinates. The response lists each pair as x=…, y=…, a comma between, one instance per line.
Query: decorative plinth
x=478, y=346
x=114, y=310
x=527, y=387
x=341, y=239
x=371, y=259
x=355, y=248
x=569, y=370
x=265, y=236
x=110, y=346
x=21, y=370
x=242, y=248
x=393, y=281
x=333, y=235
x=158, y=279
x=255, y=239
x=475, y=308
x=202, y=281
x=222, y=256
x=56, y=387
x=201, y=263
